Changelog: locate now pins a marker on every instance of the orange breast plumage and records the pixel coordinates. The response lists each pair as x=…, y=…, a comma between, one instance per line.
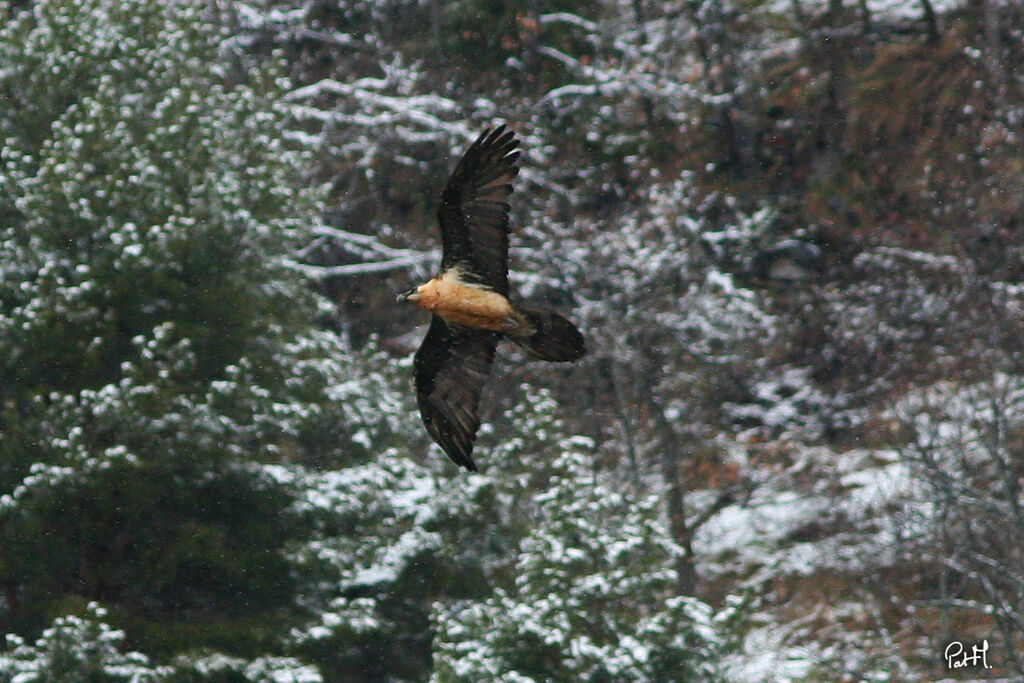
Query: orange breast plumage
x=467, y=304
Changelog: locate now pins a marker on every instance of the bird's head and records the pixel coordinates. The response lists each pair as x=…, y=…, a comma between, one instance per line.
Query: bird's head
x=411, y=295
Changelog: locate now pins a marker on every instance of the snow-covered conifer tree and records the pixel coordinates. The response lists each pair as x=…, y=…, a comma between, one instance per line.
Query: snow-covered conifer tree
x=150, y=323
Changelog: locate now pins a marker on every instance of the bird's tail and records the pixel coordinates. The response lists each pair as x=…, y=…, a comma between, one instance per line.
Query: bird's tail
x=553, y=337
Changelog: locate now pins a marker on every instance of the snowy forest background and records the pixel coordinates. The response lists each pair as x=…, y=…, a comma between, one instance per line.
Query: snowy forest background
x=791, y=231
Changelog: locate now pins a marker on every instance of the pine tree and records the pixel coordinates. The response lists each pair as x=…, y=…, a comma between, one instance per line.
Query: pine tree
x=590, y=594
x=150, y=327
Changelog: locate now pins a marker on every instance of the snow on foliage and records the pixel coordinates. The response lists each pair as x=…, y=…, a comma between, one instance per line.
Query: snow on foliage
x=150, y=326
x=263, y=669
x=76, y=649
x=87, y=648
x=143, y=184
x=592, y=590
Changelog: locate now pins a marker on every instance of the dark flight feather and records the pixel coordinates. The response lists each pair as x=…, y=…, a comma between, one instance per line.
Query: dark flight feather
x=473, y=213
x=450, y=369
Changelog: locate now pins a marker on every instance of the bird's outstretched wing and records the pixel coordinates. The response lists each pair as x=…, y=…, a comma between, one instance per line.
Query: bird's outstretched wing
x=450, y=368
x=474, y=214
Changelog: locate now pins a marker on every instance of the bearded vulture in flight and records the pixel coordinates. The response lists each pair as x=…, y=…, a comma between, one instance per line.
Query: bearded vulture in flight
x=469, y=300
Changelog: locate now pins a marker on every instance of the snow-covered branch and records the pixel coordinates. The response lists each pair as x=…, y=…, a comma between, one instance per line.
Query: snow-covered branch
x=412, y=260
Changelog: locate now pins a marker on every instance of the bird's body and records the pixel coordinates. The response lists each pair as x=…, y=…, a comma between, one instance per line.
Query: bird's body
x=469, y=300
x=470, y=305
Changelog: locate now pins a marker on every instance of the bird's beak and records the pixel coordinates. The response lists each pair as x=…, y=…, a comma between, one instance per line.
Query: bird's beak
x=411, y=295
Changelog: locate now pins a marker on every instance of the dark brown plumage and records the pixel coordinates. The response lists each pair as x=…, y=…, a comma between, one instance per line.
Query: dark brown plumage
x=469, y=298
x=473, y=213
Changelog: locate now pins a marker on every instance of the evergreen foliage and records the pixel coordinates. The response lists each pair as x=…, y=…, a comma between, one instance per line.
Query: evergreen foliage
x=590, y=592
x=150, y=207
x=75, y=649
